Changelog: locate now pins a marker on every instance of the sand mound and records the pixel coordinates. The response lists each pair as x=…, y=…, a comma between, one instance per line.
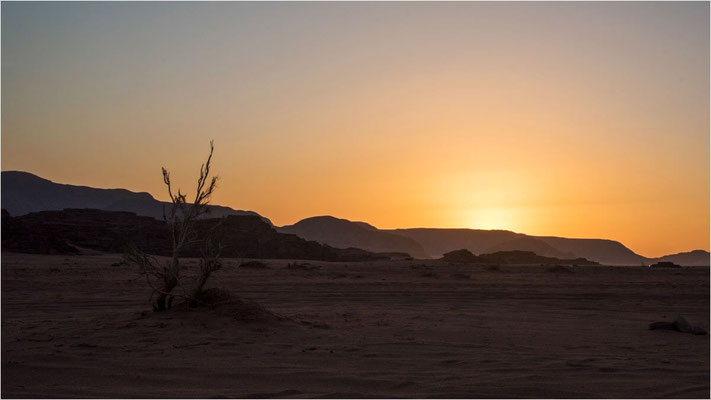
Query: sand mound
x=215, y=305
x=213, y=297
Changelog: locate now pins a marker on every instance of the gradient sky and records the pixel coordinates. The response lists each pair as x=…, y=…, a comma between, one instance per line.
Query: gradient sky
x=568, y=119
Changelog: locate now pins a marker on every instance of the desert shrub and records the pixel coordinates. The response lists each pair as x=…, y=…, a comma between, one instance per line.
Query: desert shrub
x=301, y=266
x=164, y=277
x=559, y=269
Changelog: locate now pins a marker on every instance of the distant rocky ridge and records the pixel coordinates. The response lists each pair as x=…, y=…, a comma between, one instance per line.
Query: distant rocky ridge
x=436, y=242
x=699, y=258
x=343, y=233
x=530, y=244
x=243, y=236
x=696, y=257
x=23, y=193
x=439, y=241
x=510, y=257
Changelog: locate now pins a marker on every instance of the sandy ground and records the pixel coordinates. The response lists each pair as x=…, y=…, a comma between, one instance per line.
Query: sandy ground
x=80, y=327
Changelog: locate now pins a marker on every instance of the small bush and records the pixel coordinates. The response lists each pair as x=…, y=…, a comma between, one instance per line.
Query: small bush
x=559, y=269
x=303, y=266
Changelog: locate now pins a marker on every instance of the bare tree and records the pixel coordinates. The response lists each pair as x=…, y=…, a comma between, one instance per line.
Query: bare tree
x=181, y=217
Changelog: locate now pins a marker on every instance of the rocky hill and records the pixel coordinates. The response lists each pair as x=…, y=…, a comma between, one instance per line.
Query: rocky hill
x=690, y=258
x=243, y=236
x=343, y=233
x=23, y=193
x=436, y=242
x=510, y=257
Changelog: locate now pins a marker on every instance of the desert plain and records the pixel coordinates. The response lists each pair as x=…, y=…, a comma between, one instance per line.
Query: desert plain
x=82, y=326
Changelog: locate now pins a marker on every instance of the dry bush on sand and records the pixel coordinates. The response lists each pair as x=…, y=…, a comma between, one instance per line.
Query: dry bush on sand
x=164, y=277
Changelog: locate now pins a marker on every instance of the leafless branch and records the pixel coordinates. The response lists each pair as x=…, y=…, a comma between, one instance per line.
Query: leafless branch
x=181, y=217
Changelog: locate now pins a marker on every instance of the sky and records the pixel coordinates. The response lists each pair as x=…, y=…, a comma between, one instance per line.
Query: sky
x=586, y=120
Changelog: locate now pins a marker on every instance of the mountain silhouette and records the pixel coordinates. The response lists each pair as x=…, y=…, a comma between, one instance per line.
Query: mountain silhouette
x=434, y=243
x=531, y=244
x=604, y=251
x=510, y=257
x=342, y=233
x=70, y=230
x=689, y=258
x=439, y=241
x=23, y=193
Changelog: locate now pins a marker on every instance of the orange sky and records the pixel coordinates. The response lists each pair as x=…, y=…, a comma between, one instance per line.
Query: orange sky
x=567, y=119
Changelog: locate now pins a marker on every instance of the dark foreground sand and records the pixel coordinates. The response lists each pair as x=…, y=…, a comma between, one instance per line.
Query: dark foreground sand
x=73, y=327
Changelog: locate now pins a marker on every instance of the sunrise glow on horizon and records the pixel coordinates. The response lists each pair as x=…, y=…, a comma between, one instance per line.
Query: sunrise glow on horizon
x=584, y=120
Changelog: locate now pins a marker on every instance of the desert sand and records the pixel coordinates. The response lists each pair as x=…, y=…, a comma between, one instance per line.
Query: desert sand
x=82, y=326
